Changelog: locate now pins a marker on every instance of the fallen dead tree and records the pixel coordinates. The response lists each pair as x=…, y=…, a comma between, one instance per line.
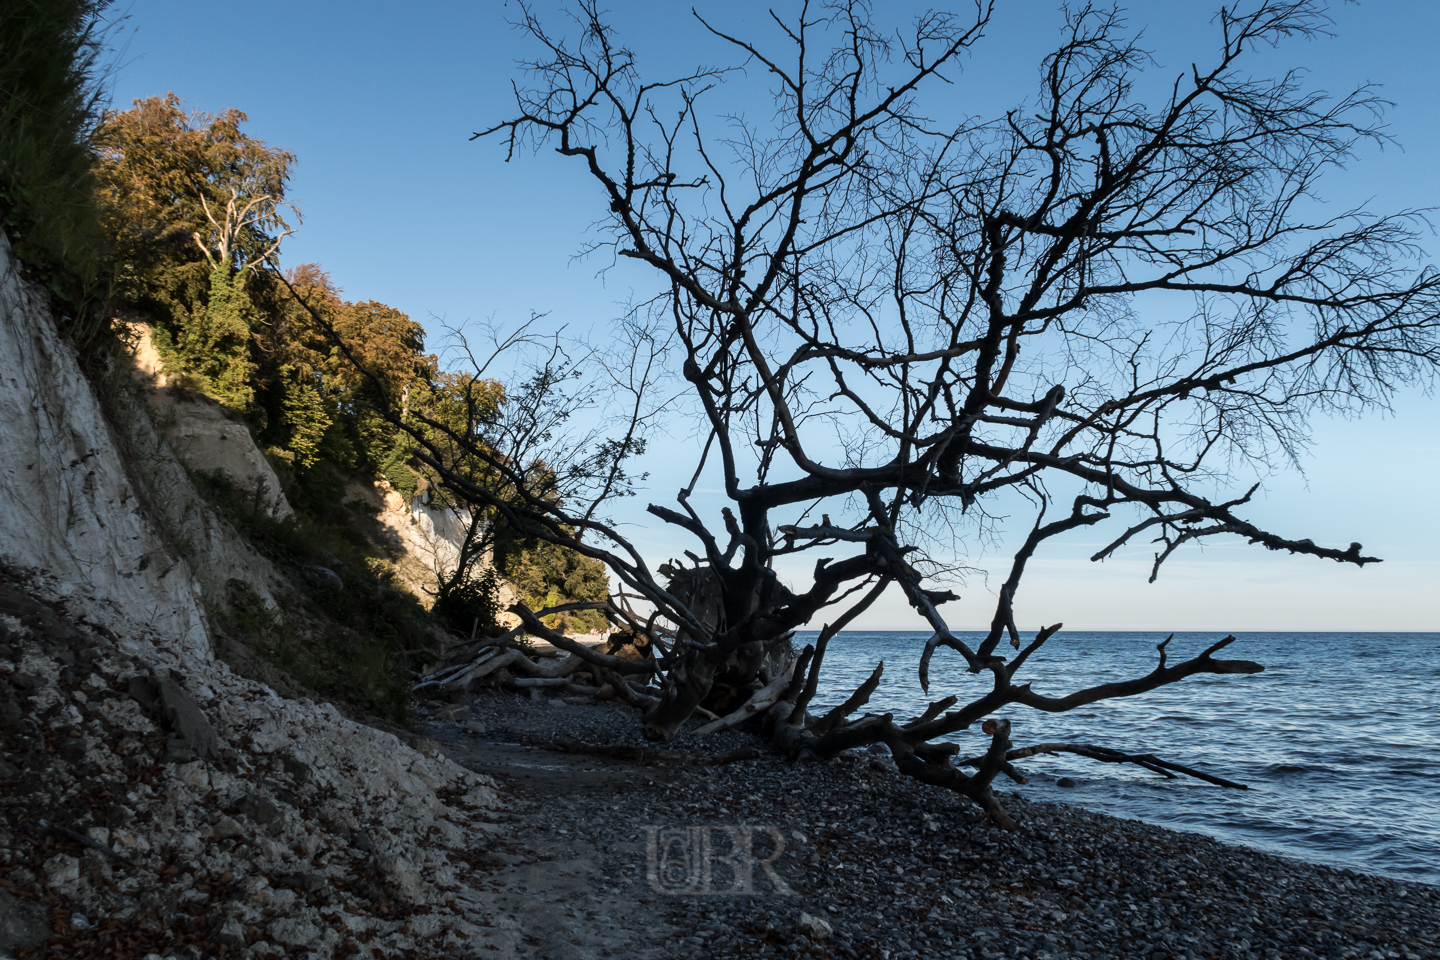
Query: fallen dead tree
x=503, y=661
x=1104, y=755
x=892, y=334
x=780, y=709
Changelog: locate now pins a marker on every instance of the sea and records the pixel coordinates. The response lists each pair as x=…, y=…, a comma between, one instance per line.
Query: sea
x=1338, y=739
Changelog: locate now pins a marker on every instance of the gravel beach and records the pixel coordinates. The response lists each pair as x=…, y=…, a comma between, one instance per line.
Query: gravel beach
x=159, y=807
x=865, y=863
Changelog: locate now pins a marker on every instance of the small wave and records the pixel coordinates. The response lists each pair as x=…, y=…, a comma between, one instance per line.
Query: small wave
x=1343, y=767
x=1282, y=769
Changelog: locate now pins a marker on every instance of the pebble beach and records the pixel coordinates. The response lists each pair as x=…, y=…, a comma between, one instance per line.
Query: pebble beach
x=896, y=869
x=158, y=808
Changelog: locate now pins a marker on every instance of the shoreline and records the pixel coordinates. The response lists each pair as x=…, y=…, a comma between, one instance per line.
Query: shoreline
x=895, y=868
x=1349, y=778
x=160, y=805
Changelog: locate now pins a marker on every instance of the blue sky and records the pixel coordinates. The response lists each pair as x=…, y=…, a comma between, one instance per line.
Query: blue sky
x=378, y=102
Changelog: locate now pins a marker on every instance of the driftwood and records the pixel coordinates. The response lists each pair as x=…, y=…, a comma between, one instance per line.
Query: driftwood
x=496, y=661
x=463, y=678
x=1108, y=755
x=780, y=710
x=760, y=701
x=651, y=755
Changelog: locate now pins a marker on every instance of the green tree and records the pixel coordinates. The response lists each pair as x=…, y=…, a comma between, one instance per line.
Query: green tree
x=191, y=204
x=466, y=594
x=548, y=574
x=459, y=418
x=317, y=412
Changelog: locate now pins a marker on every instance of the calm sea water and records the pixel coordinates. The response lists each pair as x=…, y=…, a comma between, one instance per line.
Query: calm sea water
x=1338, y=740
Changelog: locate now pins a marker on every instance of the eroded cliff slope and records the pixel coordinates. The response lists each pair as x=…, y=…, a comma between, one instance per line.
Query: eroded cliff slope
x=151, y=798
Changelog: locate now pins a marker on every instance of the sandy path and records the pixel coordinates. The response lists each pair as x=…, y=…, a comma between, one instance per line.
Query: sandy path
x=564, y=871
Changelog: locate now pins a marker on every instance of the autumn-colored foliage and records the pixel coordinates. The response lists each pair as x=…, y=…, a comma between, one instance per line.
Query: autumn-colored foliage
x=174, y=217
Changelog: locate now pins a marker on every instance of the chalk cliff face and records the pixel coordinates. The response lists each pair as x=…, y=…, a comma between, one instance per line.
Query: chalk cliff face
x=423, y=540
x=200, y=432
x=72, y=513
x=105, y=645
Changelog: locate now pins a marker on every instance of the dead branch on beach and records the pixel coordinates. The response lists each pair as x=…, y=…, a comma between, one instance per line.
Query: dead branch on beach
x=892, y=333
x=1104, y=755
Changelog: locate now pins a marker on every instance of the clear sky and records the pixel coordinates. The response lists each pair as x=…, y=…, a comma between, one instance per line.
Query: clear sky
x=378, y=101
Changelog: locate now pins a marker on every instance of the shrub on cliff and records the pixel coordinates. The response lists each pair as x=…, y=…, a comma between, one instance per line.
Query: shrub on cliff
x=50, y=100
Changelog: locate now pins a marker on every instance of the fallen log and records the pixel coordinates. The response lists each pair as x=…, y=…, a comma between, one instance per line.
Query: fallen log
x=761, y=700
x=1110, y=755
x=461, y=679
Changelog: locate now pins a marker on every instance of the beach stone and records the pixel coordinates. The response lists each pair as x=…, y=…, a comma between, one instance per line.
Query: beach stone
x=194, y=775
x=481, y=796
x=227, y=828
x=296, y=768
x=186, y=718
x=403, y=877
x=815, y=928
x=144, y=690
x=257, y=890
x=269, y=850
x=62, y=868
x=295, y=933
x=179, y=751
x=1065, y=782
x=259, y=808
x=232, y=933
x=452, y=713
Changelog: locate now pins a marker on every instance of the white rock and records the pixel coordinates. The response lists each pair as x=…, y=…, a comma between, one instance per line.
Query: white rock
x=232, y=934
x=813, y=927
x=227, y=828
x=132, y=841
x=295, y=933
x=404, y=877
x=62, y=868
x=257, y=890
x=59, y=459
x=482, y=797
x=270, y=850
x=194, y=775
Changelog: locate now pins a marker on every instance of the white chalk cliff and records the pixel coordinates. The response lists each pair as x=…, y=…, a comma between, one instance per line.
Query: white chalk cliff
x=97, y=507
x=71, y=511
